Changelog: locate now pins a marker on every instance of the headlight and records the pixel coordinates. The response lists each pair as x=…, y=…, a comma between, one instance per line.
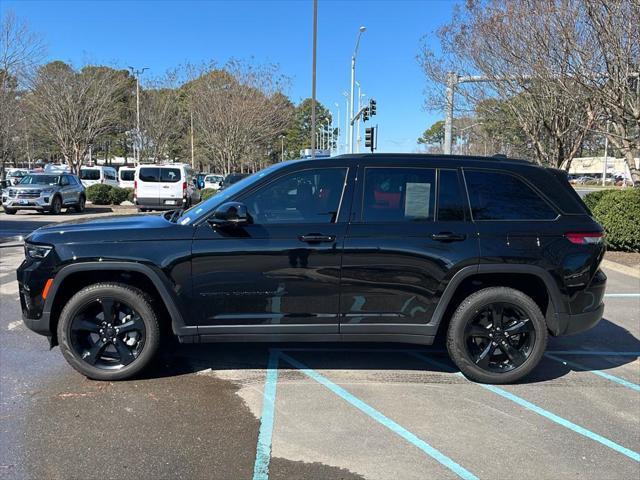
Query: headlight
x=37, y=252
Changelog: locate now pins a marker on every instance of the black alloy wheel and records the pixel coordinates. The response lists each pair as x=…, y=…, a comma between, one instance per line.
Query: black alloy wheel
x=497, y=335
x=107, y=333
x=500, y=337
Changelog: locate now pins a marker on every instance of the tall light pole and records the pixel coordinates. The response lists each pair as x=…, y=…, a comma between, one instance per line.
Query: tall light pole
x=282, y=148
x=346, y=121
x=136, y=73
x=338, y=139
x=353, y=80
x=360, y=97
x=329, y=134
x=313, y=80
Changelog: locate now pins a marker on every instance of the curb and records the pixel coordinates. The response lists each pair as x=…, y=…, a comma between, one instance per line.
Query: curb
x=618, y=267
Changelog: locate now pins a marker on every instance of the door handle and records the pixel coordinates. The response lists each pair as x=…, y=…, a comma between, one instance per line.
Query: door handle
x=448, y=237
x=316, y=238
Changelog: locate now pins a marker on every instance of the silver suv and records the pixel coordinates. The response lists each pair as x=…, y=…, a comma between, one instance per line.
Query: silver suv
x=45, y=192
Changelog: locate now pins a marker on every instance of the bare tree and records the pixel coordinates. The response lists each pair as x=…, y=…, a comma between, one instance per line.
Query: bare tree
x=20, y=51
x=76, y=107
x=239, y=113
x=162, y=121
x=521, y=47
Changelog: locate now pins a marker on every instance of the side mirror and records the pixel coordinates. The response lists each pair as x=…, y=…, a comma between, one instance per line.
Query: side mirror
x=230, y=214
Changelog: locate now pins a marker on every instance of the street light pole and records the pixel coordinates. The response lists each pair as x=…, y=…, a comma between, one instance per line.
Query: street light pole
x=346, y=122
x=353, y=80
x=313, y=81
x=282, y=148
x=136, y=73
x=338, y=139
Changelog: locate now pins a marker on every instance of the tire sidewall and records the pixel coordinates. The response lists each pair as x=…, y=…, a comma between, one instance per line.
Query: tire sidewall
x=56, y=201
x=469, y=308
x=132, y=297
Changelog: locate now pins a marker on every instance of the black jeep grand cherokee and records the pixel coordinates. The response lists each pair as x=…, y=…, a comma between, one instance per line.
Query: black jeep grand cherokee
x=491, y=252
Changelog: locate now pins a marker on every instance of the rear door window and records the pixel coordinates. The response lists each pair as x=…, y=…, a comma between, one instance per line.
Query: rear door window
x=149, y=174
x=502, y=196
x=127, y=175
x=170, y=175
x=398, y=195
x=451, y=201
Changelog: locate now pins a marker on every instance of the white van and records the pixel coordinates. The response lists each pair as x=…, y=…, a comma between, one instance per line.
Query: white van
x=164, y=187
x=126, y=177
x=98, y=174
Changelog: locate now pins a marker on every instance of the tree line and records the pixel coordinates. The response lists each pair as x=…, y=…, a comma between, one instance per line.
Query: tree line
x=234, y=117
x=560, y=76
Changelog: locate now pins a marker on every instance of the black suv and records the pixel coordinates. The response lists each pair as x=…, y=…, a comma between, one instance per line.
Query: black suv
x=494, y=253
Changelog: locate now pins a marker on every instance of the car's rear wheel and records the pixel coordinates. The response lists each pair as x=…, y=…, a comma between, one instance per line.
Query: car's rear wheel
x=109, y=331
x=56, y=205
x=79, y=207
x=497, y=335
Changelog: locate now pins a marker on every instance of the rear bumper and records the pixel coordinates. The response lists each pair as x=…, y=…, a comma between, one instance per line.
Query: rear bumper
x=580, y=322
x=160, y=203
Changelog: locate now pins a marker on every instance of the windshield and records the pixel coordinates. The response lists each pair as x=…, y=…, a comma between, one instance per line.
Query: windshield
x=212, y=178
x=90, y=174
x=203, y=208
x=40, y=180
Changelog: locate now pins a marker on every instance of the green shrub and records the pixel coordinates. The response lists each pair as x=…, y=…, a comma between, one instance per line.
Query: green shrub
x=207, y=193
x=130, y=194
x=592, y=199
x=99, y=194
x=619, y=213
x=118, y=195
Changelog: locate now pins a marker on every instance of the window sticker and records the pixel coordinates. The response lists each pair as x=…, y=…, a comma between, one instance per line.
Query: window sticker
x=417, y=200
x=185, y=220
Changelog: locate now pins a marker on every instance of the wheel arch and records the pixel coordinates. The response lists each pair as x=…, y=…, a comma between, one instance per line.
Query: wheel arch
x=72, y=278
x=530, y=279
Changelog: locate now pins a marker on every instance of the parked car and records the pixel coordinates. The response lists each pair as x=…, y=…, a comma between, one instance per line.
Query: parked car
x=213, y=181
x=164, y=187
x=46, y=193
x=231, y=179
x=99, y=174
x=126, y=177
x=14, y=175
x=5, y=184
x=493, y=254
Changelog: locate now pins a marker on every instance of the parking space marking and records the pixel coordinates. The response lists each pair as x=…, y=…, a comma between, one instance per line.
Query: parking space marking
x=263, y=449
x=541, y=411
x=596, y=353
x=622, y=295
x=381, y=418
x=600, y=373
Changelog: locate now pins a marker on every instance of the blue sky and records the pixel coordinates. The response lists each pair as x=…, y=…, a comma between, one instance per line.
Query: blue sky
x=164, y=34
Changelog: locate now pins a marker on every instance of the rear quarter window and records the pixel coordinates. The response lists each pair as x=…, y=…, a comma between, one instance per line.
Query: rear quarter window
x=504, y=196
x=149, y=174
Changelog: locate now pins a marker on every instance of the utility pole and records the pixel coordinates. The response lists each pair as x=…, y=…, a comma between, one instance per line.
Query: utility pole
x=313, y=80
x=346, y=122
x=606, y=157
x=353, y=80
x=136, y=73
x=192, y=151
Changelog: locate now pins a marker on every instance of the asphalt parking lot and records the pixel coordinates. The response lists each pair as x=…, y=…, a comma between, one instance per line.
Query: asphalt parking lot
x=323, y=410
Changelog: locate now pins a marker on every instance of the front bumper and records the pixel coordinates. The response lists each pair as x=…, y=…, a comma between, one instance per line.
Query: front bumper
x=43, y=202
x=32, y=278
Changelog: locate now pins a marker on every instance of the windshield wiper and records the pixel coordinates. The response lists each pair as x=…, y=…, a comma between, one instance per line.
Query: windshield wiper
x=176, y=214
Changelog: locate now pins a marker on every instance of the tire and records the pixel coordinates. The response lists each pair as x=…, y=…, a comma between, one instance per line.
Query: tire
x=56, y=205
x=478, y=307
x=79, y=207
x=121, y=295
x=10, y=211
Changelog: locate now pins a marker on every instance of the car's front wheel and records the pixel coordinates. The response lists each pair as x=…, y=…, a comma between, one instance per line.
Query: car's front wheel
x=109, y=331
x=56, y=205
x=497, y=335
x=10, y=211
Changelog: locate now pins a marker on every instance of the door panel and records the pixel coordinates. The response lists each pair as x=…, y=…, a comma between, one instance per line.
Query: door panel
x=282, y=273
x=399, y=255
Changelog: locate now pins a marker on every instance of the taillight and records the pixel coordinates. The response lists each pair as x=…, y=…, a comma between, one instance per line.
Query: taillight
x=585, y=238
x=184, y=189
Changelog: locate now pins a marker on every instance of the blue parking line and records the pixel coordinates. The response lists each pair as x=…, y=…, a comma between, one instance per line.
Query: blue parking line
x=541, y=411
x=382, y=419
x=600, y=373
x=263, y=448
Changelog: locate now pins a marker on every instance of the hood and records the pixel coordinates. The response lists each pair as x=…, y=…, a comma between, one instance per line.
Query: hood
x=117, y=228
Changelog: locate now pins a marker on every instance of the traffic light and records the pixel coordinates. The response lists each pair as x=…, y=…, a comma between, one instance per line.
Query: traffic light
x=365, y=114
x=369, y=138
x=372, y=107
